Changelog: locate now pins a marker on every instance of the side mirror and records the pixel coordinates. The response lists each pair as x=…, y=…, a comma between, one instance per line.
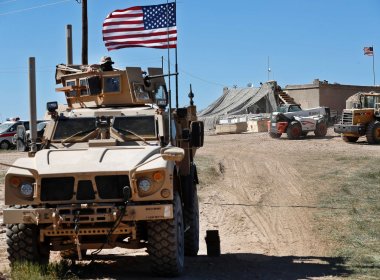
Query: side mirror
x=52, y=106
x=172, y=153
x=197, y=134
x=161, y=96
x=147, y=81
x=21, y=139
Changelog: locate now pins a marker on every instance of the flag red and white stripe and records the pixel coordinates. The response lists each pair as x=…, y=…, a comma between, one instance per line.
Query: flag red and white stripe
x=368, y=51
x=141, y=26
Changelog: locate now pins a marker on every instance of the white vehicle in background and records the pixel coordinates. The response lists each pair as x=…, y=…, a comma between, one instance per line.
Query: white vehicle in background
x=296, y=122
x=7, y=131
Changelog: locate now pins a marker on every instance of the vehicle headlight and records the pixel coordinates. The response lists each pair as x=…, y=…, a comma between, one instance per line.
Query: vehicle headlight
x=144, y=184
x=26, y=189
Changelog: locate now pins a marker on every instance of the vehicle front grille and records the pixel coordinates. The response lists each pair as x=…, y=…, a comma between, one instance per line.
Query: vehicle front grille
x=54, y=189
x=63, y=189
x=347, y=118
x=111, y=186
x=85, y=190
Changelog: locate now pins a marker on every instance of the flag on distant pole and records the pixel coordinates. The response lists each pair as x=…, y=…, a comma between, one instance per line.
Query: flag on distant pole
x=368, y=51
x=141, y=26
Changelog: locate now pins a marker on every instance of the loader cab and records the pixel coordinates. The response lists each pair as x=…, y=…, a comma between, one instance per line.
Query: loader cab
x=370, y=100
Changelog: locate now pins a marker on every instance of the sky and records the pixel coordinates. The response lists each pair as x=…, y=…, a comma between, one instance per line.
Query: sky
x=220, y=44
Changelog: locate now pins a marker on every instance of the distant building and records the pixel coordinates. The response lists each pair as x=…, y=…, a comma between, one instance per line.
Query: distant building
x=321, y=93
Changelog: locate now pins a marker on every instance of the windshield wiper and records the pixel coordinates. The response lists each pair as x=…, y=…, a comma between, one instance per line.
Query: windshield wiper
x=76, y=134
x=134, y=134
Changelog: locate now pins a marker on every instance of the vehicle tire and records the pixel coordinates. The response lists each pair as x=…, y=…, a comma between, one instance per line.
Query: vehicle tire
x=5, y=145
x=72, y=254
x=166, y=243
x=294, y=130
x=349, y=139
x=23, y=244
x=275, y=135
x=321, y=129
x=373, y=133
x=191, y=216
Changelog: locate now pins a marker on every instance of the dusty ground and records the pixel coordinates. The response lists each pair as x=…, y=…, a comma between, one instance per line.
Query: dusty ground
x=263, y=199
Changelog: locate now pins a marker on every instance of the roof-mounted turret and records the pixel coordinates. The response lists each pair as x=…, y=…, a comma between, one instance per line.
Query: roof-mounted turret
x=87, y=87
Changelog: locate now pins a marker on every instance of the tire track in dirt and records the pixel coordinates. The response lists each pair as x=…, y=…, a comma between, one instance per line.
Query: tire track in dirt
x=263, y=195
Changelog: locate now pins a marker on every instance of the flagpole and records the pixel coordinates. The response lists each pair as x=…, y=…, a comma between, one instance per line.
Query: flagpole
x=176, y=61
x=169, y=86
x=373, y=66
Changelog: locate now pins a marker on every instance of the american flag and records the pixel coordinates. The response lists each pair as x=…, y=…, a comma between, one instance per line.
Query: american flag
x=368, y=51
x=141, y=26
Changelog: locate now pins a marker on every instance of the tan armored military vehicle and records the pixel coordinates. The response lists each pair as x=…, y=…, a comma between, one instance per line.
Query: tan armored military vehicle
x=115, y=170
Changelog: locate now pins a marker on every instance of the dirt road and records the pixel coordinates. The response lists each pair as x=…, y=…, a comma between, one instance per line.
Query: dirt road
x=262, y=196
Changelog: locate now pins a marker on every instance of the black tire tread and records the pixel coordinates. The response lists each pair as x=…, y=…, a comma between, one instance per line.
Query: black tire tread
x=191, y=215
x=22, y=244
x=162, y=245
x=370, y=133
x=319, y=132
x=289, y=130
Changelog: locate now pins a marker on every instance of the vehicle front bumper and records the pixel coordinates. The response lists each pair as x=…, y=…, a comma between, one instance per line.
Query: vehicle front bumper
x=351, y=129
x=87, y=215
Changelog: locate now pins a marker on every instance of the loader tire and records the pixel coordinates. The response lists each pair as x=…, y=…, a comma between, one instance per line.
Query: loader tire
x=294, y=130
x=166, y=243
x=23, y=244
x=275, y=135
x=321, y=129
x=349, y=139
x=373, y=133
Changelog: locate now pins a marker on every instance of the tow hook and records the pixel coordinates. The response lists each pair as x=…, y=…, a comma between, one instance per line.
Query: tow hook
x=57, y=219
x=76, y=236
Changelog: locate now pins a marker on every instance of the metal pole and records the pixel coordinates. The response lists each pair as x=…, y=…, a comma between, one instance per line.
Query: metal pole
x=169, y=86
x=84, y=33
x=32, y=104
x=176, y=63
x=176, y=79
x=373, y=66
x=69, y=44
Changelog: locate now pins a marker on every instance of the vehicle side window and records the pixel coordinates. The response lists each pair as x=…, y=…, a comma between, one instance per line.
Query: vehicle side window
x=294, y=109
x=140, y=93
x=111, y=84
x=13, y=127
x=69, y=84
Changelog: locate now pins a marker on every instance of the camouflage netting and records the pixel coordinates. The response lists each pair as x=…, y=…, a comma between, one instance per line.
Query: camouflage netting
x=240, y=101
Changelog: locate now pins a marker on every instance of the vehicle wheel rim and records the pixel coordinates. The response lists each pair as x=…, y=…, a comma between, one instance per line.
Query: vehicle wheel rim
x=296, y=131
